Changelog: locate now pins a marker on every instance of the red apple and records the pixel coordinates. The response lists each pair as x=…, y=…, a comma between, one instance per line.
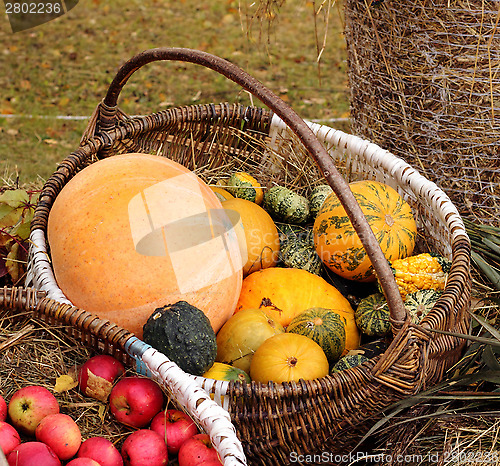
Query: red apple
x=83, y=462
x=9, y=438
x=29, y=405
x=175, y=427
x=98, y=374
x=101, y=450
x=3, y=409
x=134, y=401
x=198, y=451
x=33, y=453
x=144, y=447
x=61, y=433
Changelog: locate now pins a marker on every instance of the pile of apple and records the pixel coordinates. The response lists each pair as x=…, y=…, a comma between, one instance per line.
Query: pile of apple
x=33, y=431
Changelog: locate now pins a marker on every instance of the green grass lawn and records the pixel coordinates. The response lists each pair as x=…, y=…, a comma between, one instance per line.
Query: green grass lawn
x=64, y=67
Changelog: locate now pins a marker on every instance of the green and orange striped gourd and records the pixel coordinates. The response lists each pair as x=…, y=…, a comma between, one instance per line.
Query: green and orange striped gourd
x=389, y=216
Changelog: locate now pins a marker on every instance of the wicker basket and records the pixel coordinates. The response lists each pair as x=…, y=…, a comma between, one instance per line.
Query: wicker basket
x=275, y=423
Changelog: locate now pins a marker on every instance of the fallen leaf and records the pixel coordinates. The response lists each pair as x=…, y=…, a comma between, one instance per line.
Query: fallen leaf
x=97, y=387
x=14, y=266
x=25, y=84
x=64, y=383
x=63, y=102
x=51, y=142
x=102, y=412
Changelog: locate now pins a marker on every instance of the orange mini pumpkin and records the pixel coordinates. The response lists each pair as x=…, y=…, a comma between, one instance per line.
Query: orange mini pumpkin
x=288, y=357
x=134, y=232
x=259, y=241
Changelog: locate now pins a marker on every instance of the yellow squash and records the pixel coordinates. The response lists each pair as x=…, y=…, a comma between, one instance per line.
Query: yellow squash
x=288, y=357
x=283, y=293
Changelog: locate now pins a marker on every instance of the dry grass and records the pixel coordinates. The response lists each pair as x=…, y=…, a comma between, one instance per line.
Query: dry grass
x=36, y=353
x=286, y=164
x=65, y=66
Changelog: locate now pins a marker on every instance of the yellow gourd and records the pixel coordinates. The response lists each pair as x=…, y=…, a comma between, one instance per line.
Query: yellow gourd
x=259, y=239
x=283, y=293
x=288, y=357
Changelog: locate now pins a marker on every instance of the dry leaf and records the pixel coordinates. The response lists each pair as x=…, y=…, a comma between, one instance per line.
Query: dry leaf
x=97, y=387
x=63, y=102
x=52, y=142
x=25, y=84
x=64, y=383
x=102, y=412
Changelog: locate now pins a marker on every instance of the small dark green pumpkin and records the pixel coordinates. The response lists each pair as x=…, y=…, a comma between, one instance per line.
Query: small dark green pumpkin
x=183, y=333
x=285, y=205
x=372, y=315
x=348, y=361
x=325, y=327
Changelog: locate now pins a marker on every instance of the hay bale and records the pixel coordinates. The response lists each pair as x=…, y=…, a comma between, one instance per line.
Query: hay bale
x=424, y=78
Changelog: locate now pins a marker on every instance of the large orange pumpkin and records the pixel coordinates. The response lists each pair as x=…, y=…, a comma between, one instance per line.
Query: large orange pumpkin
x=260, y=242
x=134, y=232
x=283, y=293
x=389, y=216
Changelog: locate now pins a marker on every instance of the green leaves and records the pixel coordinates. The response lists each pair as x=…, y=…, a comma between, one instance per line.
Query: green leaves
x=475, y=379
x=17, y=207
x=491, y=272
x=485, y=242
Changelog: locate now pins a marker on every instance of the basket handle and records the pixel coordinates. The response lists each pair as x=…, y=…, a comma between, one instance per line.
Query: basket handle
x=108, y=119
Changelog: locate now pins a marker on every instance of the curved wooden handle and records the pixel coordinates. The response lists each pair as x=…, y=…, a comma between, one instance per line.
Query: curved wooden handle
x=295, y=123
